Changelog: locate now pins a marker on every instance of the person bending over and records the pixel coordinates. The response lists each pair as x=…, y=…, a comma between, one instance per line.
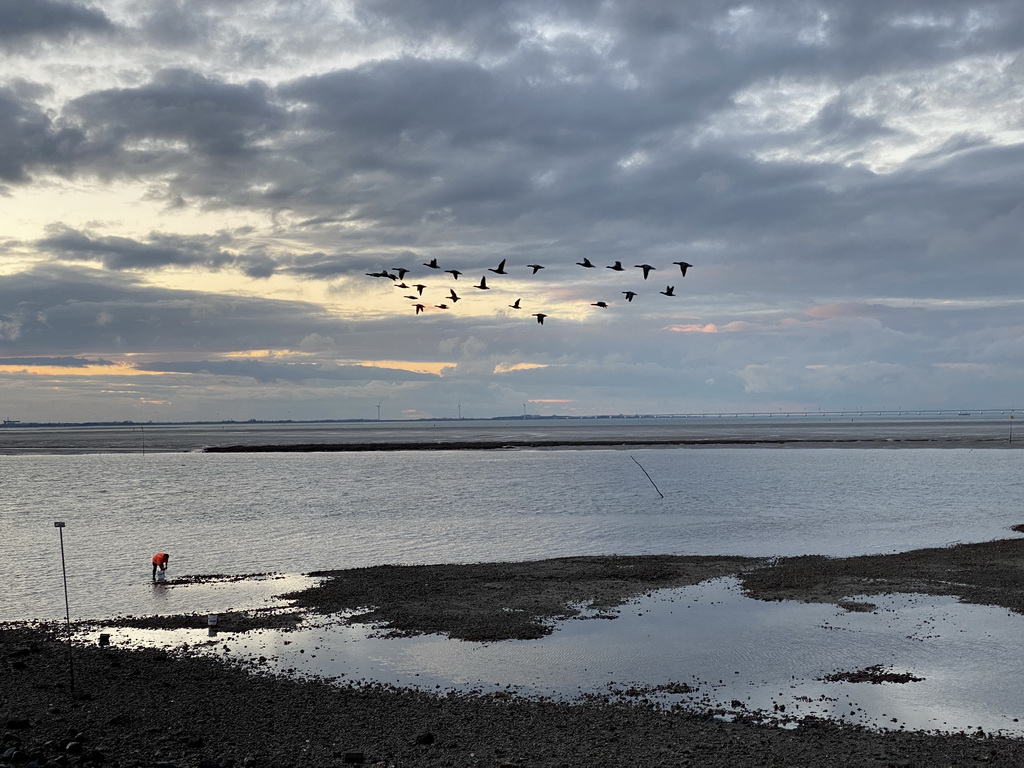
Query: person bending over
x=160, y=561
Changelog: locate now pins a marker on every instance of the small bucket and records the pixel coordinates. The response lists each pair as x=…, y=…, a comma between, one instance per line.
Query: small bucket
x=211, y=620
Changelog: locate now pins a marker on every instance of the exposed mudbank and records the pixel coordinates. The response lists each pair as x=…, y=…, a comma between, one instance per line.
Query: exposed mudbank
x=522, y=600
x=710, y=442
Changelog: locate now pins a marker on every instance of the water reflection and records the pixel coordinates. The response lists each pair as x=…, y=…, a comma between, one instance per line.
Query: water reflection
x=707, y=647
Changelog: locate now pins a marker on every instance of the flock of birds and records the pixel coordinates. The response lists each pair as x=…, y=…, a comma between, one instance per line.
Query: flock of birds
x=397, y=276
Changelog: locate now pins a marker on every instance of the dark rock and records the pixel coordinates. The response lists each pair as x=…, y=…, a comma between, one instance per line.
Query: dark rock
x=18, y=724
x=426, y=738
x=353, y=757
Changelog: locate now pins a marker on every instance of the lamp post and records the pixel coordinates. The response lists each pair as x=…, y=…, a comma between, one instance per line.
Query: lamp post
x=67, y=611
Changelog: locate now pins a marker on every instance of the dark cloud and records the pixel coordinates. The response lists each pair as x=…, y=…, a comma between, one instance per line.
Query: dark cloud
x=28, y=137
x=216, y=119
x=58, y=362
x=48, y=19
x=123, y=253
x=60, y=310
x=294, y=372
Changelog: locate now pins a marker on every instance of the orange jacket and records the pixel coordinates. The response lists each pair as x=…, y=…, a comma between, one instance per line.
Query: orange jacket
x=161, y=558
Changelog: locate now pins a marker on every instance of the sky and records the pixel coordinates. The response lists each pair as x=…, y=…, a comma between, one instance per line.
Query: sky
x=195, y=196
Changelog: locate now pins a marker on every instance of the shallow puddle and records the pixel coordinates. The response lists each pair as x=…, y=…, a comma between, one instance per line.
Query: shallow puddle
x=706, y=647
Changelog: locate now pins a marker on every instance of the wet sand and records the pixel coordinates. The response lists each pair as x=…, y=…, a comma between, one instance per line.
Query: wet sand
x=167, y=707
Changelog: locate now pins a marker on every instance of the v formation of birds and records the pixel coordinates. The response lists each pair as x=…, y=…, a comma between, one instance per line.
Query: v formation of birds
x=397, y=276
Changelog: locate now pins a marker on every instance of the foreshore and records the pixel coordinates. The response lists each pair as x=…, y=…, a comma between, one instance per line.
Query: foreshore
x=157, y=707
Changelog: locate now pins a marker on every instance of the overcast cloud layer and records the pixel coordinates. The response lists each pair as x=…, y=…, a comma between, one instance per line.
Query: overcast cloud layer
x=196, y=196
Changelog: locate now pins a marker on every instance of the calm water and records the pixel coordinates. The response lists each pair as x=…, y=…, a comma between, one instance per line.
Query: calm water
x=292, y=513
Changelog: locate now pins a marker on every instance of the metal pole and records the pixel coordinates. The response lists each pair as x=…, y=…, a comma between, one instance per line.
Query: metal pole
x=67, y=610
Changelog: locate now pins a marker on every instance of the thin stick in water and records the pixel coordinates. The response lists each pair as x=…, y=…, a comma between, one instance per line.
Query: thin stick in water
x=648, y=477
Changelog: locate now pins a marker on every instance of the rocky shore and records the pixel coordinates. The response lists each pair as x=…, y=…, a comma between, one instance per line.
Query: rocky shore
x=152, y=707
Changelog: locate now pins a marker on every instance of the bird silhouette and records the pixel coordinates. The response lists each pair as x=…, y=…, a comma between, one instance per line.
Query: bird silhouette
x=540, y=317
x=451, y=296
x=454, y=273
x=515, y=304
x=411, y=297
x=617, y=266
x=432, y=264
x=500, y=270
x=483, y=283
x=629, y=295
x=441, y=306
x=601, y=304
x=669, y=291
x=401, y=285
x=646, y=268
x=388, y=274
x=377, y=274
x=419, y=288
x=402, y=272
x=585, y=263
x=683, y=266
x=535, y=267
x=419, y=308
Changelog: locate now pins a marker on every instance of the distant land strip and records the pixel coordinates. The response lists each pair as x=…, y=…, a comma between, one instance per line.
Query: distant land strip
x=490, y=445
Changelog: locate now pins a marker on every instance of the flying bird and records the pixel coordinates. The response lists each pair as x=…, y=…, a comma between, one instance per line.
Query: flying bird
x=617, y=266
x=515, y=304
x=683, y=266
x=540, y=317
x=402, y=272
x=601, y=304
x=401, y=285
x=585, y=263
x=483, y=283
x=646, y=268
x=500, y=270
x=451, y=296
x=669, y=291
x=419, y=308
x=419, y=288
x=454, y=273
x=535, y=267
x=377, y=274
x=411, y=297
x=441, y=306
x=629, y=295
x=432, y=264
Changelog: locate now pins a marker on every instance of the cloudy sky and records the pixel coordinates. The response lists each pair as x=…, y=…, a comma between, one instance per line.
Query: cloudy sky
x=195, y=194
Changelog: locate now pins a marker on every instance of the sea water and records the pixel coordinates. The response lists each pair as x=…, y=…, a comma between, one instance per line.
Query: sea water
x=293, y=513
x=288, y=514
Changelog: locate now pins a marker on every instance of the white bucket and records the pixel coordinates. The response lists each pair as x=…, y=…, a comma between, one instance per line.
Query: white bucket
x=161, y=575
